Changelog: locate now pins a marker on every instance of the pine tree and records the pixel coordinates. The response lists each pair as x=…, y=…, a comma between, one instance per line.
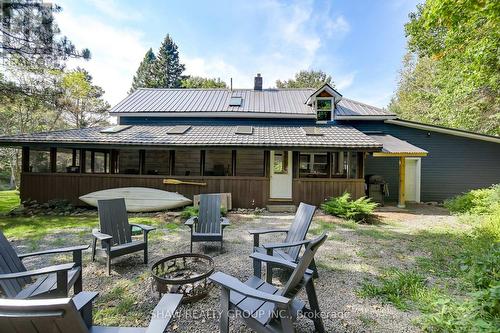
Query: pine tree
x=145, y=75
x=168, y=69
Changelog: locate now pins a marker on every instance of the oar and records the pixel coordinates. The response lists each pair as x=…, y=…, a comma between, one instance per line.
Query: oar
x=180, y=182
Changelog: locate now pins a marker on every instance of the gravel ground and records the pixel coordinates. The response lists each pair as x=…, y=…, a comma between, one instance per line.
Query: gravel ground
x=352, y=254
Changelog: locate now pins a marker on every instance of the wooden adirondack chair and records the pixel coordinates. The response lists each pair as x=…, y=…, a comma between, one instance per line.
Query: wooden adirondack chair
x=265, y=308
x=116, y=233
x=209, y=225
x=74, y=315
x=290, y=248
x=53, y=281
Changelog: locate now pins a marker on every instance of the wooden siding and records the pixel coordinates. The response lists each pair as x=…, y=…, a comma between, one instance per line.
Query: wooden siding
x=315, y=191
x=247, y=192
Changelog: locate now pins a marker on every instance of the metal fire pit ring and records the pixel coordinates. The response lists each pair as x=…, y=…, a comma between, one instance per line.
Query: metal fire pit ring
x=193, y=288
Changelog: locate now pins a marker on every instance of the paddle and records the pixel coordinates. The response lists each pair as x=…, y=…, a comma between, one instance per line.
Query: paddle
x=180, y=182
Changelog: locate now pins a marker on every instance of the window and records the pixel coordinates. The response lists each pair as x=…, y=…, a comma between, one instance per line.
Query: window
x=250, y=163
x=218, y=163
x=64, y=160
x=235, y=101
x=39, y=160
x=97, y=161
x=280, y=163
x=157, y=162
x=313, y=165
x=339, y=164
x=128, y=161
x=324, y=109
x=187, y=163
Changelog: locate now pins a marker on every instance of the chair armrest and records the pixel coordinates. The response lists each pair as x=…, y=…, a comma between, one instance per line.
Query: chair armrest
x=52, y=251
x=144, y=227
x=276, y=261
x=266, y=231
x=232, y=283
x=282, y=245
x=40, y=271
x=83, y=298
x=191, y=221
x=101, y=236
x=163, y=313
x=224, y=222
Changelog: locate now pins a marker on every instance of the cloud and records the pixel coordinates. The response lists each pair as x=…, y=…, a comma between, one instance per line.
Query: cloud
x=337, y=26
x=116, y=52
x=115, y=10
x=344, y=81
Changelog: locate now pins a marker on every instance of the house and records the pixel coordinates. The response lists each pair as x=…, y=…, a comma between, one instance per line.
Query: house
x=265, y=146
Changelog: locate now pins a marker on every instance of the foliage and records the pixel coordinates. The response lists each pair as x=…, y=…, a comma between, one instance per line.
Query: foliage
x=451, y=75
x=306, y=79
x=82, y=101
x=201, y=82
x=480, y=201
x=191, y=211
x=167, y=67
x=144, y=77
x=357, y=210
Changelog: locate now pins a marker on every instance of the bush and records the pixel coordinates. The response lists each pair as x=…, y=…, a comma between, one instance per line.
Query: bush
x=191, y=211
x=481, y=201
x=357, y=210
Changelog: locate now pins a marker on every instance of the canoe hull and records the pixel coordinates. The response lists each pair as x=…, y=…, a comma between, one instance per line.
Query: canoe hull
x=139, y=199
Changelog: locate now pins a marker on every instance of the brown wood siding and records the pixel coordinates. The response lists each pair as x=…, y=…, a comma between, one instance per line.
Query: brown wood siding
x=316, y=191
x=247, y=192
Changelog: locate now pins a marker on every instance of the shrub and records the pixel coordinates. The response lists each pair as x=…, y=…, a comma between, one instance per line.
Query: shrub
x=357, y=210
x=191, y=211
x=481, y=201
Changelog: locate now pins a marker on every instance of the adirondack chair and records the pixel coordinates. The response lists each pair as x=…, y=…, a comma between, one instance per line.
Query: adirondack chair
x=53, y=281
x=265, y=308
x=209, y=225
x=74, y=315
x=290, y=248
x=116, y=232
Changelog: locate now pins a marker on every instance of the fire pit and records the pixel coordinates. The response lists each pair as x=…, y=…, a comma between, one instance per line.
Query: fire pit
x=184, y=273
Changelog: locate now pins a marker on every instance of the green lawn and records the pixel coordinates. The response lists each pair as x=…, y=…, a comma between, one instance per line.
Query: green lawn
x=8, y=201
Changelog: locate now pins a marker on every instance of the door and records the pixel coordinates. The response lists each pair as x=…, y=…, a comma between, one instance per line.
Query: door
x=412, y=179
x=281, y=174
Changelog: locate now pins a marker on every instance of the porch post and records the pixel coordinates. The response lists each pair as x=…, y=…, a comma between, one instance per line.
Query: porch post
x=171, y=161
x=82, y=161
x=266, y=163
x=202, y=162
x=53, y=159
x=25, y=159
x=112, y=163
x=402, y=196
x=233, y=162
x=142, y=161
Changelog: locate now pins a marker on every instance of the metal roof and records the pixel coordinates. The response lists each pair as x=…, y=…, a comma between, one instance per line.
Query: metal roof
x=336, y=136
x=267, y=101
x=396, y=147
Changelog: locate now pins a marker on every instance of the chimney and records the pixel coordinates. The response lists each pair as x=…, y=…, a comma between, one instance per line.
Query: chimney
x=257, y=82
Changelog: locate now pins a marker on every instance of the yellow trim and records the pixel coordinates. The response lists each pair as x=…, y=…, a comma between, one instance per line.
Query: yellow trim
x=383, y=154
x=402, y=179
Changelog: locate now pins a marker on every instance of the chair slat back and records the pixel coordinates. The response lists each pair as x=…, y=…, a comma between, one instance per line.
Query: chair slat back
x=10, y=263
x=35, y=316
x=290, y=288
x=209, y=214
x=299, y=228
x=113, y=219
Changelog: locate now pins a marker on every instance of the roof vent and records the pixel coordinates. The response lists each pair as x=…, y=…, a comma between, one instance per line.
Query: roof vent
x=248, y=130
x=257, y=82
x=115, y=129
x=235, y=101
x=179, y=129
x=312, y=131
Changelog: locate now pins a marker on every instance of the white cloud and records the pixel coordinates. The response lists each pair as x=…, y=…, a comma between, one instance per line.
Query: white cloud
x=337, y=26
x=116, y=53
x=344, y=81
x=116, y=10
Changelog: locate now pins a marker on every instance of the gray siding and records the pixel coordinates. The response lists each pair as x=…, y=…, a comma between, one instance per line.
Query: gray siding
x=454, y=164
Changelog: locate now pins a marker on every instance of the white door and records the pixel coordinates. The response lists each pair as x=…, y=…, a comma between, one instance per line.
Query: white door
x=412, y=179
x=281, y=174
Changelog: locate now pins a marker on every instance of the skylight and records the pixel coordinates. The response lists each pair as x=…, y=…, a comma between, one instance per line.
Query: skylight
x=312, y=131
x=115, y=129
x=235, y=101
x=179, y=129
x=248, y=130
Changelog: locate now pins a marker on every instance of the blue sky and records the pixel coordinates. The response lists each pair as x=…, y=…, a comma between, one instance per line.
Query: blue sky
x=360, y=43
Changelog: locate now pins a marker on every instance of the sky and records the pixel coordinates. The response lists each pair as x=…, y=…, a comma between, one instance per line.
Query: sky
x=359, y=43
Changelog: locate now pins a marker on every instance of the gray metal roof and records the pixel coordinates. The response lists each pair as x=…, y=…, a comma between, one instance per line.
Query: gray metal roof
x=337, y=136
x=395, y=146
x=267, y=101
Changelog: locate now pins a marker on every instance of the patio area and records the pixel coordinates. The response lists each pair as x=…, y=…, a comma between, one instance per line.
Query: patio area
x=353, y=255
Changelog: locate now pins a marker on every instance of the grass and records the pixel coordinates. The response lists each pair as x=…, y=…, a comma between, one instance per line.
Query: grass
x=8, y=201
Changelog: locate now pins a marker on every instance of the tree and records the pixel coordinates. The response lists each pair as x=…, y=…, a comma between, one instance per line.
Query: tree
x=144, y=77
x=167, y=68
x=306, y=79
x=82, y=102
x=457, y=43
x=201, y=82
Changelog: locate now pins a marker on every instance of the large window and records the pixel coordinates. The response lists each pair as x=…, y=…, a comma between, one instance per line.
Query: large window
x=128, y=161
x=157, y=162
x=65, y=161
x=313, y=165
x=250, y=163
x=97, y=161
x=324, y=109
x=218, y=163
x=39, y=160
x=187, y=163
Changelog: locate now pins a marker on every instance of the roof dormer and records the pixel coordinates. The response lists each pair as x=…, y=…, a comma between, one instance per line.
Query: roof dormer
x=324, y=101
